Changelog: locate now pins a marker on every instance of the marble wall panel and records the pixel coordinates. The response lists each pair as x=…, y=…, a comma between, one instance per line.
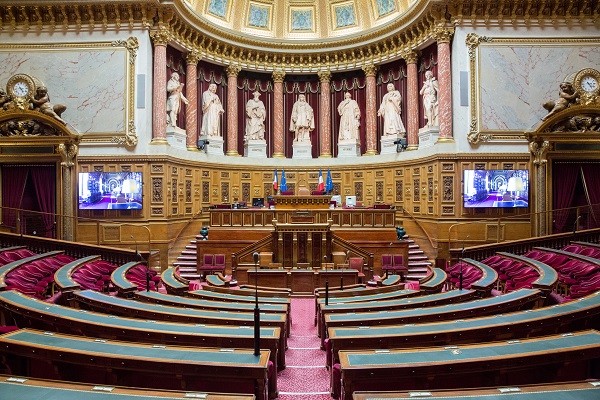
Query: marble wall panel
x=91, y=82
x=515, y=79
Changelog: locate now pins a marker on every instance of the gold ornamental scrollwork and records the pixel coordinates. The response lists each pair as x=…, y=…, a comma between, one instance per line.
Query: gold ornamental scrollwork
x=474, y=136
x=68, y=152
x=539, y=150
x=131, y=44
x=473, y=40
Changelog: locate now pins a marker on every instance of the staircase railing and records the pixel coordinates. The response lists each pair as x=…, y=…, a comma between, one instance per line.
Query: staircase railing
x=346, y=245
x=422, y=228
x=248, y=250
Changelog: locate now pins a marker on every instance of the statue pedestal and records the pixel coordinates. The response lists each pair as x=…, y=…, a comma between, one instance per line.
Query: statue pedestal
x=176, y=137
x=428, y=136
x=302, y=150
x=348, y=148
x=255, y=148
x=214, y=146
x=387, y=144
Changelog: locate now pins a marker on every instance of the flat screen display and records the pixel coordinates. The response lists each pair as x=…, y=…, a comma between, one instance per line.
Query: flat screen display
x=110, y=190
x=258, y=202
x=496, y=188
x=350, y=201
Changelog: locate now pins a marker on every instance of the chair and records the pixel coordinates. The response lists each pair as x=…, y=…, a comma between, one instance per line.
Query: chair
x=303, y=191
x=357, y=264
x=398, y=265
x=386, y=263
x=208, y=262
x=287, y=192
x=220, y=263
x=317, y=192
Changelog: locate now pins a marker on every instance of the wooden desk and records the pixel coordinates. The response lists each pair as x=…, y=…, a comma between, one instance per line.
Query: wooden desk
x=301, y=202
x=302, y=281
x=545, y=359
x=137, y=364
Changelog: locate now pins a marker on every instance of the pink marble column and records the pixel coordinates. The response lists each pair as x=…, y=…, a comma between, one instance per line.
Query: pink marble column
x=191, y=92
x=371, y=110
x=232, y=110
x=325, y=117
x=278, y=131
x=443, y=37
x=412, y=100
x=159, y=86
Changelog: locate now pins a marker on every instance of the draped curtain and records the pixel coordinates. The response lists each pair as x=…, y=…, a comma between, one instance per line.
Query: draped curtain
x=353, y=82
x=175, y=63
x=14, y=178
x=591, y=179
x=207, y=74
x=428, y=62
x=564, y=181
x=394, y=72
x=310, y=87
x=248, y=83
x=43, y=178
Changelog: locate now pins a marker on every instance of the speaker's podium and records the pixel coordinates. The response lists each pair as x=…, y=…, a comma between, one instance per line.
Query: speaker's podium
x=304, y=243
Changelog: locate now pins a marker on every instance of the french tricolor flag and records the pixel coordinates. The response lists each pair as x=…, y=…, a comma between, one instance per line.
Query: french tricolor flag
x=321, y=183
x=275, y=180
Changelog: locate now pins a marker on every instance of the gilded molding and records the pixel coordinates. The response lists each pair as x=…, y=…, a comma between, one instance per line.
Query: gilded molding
x=131, y=44
x=473, y=40
x=278, y=76
x=233, y=70
x=474, y=136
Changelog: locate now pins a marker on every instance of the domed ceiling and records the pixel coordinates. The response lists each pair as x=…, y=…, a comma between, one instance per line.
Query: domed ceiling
x=300, y=20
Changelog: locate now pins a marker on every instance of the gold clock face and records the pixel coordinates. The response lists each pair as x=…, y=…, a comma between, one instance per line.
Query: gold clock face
x=20, y=86
x=587, y=81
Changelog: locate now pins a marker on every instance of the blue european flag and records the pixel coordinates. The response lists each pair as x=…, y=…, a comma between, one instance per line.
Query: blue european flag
x=283, y=184
x=328, y=182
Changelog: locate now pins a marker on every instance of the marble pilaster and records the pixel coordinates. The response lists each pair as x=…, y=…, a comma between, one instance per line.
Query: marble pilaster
x=371, y=109
x=412, y=100
x=443, y=36
x=191, y=91
x=325, y=115
x=68, y=153
x=278, y=131
x=160, y=39
x=232, y=110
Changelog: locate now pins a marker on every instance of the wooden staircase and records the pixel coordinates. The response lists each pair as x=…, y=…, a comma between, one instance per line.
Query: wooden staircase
x=183, y=254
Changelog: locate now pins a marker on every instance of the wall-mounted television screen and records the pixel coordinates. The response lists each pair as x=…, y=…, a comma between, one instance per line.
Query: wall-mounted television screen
x=110, y=190
x=496, y=188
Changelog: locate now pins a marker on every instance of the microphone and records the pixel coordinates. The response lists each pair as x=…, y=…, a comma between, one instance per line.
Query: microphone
x=347, y=255
x=255, y=257
x=575, y=224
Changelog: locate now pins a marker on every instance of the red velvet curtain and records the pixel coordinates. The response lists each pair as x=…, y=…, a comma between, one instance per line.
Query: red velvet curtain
x=355, y=83
x=44, y=181
x=14, y=178
x=310, y=87
x=175, y=63
x=207, y=74
x=428, y=62
x=248, y=83
x=591, y=178
x=394, y=72
x=565, y=177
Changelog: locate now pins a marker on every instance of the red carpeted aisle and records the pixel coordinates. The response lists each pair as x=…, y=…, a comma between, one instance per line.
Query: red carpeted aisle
x=305, y=376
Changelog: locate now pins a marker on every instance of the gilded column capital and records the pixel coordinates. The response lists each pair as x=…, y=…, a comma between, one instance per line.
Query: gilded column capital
x=278, y=76
x=233, y=70
x=68, y=152
x=411, y=56
x=443, y=34
x=370, y=69
x=539, y=150
x=324, y=76
x=192, y=57
x=161, y=36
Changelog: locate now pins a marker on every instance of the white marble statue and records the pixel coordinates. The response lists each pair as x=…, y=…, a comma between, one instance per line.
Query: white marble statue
x=255, y=118
x=174, y=88
x=429, y=91
x=349, y=118
x=212, y=108
x=303, y=120
x=391, y=110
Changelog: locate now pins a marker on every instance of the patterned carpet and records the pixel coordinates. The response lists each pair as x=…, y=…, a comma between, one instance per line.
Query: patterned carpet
x=305, y=376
